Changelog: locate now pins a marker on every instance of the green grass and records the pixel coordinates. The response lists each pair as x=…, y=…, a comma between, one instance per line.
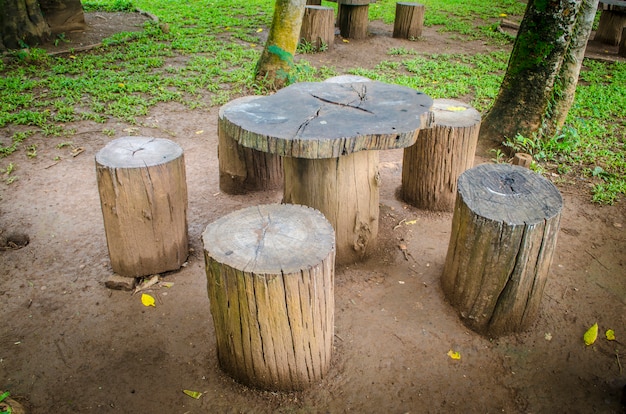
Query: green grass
x=202, y=54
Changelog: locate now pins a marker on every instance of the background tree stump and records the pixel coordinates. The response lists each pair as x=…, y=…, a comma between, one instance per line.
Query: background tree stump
x=242, y=169
x=352, y=18
x=504, y=232
x=409, y=20
x=612, y=22
x=431, y=166
x=622, y=44
x=143, y=194
x=318, y=27
x=270, y=272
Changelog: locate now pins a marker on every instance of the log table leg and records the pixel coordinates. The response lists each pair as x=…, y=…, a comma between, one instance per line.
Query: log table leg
x=409, y=20
x=610, y=26
x=143, y=194
x=241, y=169
x=345, y=190
x=504, y=231
x=270, y=279
x=318, y=27
x=431, y=166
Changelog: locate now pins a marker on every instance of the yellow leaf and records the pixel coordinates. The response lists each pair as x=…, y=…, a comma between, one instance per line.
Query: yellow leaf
x=610, y=335
x=591, y=335
x=193, y=394
x=147, y=300
x=454, y=354
x=456, y=108
x=502, y=14
x=259, y=30
x=410, y=222
x=345, y=40
x=199, y=132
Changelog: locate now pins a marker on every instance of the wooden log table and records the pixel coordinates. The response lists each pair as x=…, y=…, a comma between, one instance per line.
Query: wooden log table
x=329, y=134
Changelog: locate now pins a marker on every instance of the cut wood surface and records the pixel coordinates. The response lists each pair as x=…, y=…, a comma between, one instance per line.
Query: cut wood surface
x=409, y=20
x=318, y=27
x=504, y=232
x=270, y=273
x=329, y=120
x=431, y=167
x=244, y=169
x=143, y=194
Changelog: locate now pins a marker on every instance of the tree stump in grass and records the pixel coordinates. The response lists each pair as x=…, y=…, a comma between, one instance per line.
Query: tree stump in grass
x=431, y=166
x=241, y=169
x=270, y=272
x=318, y=27
x=504, y=232
x=143, y=194
x=352, y=18
x=409, y=20
x=610, y=26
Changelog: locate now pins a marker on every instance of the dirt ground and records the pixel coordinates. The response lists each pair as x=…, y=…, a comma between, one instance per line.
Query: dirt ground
x=68, y=344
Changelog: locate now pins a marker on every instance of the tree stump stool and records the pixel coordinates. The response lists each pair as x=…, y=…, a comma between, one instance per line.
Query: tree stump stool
x=352, y=18
x=270, y=272
x=612, y=22
x=318, y=27
x=143, y=194
x=242, y=169
x=409, y=20
x=431, y=167
x=504, y=232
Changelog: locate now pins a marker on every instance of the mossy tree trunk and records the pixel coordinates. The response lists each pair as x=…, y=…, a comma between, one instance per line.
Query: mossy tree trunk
x=275, y=66
x=542, y=74
x=32, y=22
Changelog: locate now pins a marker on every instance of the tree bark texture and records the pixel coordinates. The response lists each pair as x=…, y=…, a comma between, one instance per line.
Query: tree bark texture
x=431, y=166
x=318, y=27
x=610, y=26
x=22, y=24
x=276, y=64
x=353, y=18
x=504, y=232
x=529, y=89
x=346, y=191
x=409, y=20
x=63, y=15
x=242, y=169
x=143, y=194
x=270, y=281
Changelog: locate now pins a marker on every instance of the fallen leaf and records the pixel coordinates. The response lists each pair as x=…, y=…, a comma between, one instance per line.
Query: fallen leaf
x=408, y=223
x=345, y=40
x=548, y=336
x=193, y=394
x=199, y=132
x=147, y=300
x=610, y=334
x=591, y=335
x=456, y=108
x=259, y=30
x=454, y=354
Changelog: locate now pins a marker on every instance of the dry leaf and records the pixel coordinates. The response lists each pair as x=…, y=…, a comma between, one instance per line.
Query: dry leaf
x=454, y=354
x=591, y=335
x=610, y=334
x=456, y=108
x=193, y=394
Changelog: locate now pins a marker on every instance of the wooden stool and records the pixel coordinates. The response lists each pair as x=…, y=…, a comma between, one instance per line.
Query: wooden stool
x=409, y=20
x=504, y=232
x=621, y=51
x=352, y=18
x=143, y=194
x=318, y=27
x=270, y=272
x=242, y=169
x=612, y=22
x=431, y=167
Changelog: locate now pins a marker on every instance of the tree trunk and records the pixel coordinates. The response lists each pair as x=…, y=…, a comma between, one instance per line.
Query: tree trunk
x=22, y=24
x=275, y=66
x=63, y=15
x=531, y=83
x=26, y=23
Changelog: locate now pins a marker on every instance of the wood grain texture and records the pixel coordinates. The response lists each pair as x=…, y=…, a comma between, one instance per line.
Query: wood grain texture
x=504, y=232
x=431, y=167
x=270, y=280
x=610, y=27
x=353, y=20
x=241, y=169
x=409, y=20
x=318, y=27
x=328, y=120
x=346, y=191
x=143, y=195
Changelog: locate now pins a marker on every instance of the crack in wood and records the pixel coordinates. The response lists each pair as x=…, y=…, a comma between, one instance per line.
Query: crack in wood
x=344, y=104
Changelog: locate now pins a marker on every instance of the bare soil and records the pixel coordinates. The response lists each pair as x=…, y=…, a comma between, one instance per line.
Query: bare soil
x=68, y=344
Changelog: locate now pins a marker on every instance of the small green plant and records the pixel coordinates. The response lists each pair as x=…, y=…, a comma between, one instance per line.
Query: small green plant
x=60, y=38
x=498, y=156
x=31, y=151
x=108, y=132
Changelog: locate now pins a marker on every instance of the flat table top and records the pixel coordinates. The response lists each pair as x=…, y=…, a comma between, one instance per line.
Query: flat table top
x=327, y=120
